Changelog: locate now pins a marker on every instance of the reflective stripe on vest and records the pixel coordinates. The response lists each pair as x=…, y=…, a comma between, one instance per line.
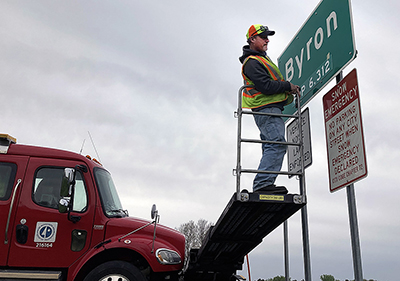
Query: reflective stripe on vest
x=252, y=98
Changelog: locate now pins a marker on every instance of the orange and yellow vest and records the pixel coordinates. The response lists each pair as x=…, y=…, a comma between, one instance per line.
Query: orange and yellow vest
x=252, y=98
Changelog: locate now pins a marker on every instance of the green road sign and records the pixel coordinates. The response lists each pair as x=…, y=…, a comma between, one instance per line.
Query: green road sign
x=322, y=47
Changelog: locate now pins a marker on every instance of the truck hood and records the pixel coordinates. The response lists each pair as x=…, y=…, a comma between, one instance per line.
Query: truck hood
x=117, y=228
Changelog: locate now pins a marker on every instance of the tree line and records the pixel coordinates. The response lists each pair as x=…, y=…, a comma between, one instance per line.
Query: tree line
x=324, y=277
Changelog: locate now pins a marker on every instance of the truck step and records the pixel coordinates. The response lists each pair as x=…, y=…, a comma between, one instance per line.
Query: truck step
x=20, y=275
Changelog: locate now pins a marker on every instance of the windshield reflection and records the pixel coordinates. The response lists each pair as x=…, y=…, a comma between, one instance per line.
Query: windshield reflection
x=108, y=194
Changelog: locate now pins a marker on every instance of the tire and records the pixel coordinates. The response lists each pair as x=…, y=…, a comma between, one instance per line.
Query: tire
x=115, y=271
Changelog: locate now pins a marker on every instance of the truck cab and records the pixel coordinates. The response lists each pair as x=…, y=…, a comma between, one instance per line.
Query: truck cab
x=61, y=219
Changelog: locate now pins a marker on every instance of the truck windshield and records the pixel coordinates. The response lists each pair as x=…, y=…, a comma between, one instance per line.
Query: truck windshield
x=108, y=194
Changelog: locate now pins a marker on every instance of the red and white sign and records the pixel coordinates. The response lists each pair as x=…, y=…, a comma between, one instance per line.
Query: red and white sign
x=344, y=133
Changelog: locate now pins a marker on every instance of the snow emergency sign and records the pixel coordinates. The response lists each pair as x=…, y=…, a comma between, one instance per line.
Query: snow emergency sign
x=344, y=133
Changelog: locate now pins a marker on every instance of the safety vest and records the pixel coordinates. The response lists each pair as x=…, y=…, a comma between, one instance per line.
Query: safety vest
x=252, y=98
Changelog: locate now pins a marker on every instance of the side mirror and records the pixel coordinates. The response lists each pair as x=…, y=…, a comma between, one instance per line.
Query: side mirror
x=66, y=190
x=154, y=212
x=156, y=217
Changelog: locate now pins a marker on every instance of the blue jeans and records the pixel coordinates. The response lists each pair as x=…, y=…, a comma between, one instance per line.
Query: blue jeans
x=272, y=128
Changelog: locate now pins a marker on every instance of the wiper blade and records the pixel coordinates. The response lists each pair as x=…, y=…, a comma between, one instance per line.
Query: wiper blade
x=125, y=212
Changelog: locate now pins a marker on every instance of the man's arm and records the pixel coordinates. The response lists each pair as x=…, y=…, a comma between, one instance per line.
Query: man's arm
x=263, y=82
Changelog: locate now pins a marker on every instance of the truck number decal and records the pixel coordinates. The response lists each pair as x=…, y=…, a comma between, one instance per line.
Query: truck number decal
x=44, y=245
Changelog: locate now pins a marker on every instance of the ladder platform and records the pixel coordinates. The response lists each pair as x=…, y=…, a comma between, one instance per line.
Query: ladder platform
x=241, y=227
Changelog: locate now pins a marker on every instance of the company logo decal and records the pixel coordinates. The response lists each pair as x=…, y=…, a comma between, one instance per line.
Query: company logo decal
x=46, y=232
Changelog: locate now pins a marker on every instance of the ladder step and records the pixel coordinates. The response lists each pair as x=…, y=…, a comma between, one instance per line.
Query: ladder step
x=273, y=142
x=269, y=172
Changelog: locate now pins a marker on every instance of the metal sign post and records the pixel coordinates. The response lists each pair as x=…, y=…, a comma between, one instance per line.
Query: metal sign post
x=286, y=249
x=299, y=132
x=355, y=238
x=345, y=146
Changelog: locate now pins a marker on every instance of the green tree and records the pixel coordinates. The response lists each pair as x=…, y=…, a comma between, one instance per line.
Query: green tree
x=279, y=278
x=327, y=277
x=276, y=278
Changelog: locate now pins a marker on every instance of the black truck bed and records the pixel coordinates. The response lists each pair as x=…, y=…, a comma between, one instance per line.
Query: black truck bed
x=241, y=227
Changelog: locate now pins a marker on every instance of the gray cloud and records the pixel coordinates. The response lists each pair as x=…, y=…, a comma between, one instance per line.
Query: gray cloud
x=156, y=85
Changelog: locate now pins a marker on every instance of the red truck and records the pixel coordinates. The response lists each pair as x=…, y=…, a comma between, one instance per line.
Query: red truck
x=61, y=219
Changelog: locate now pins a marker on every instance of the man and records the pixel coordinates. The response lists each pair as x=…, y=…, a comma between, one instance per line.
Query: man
x=270, y=93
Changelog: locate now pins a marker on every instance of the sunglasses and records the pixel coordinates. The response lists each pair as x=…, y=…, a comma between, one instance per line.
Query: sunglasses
x=262, y=29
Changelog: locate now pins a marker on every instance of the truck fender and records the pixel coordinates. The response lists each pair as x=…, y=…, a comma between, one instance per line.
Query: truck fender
x=141, y=246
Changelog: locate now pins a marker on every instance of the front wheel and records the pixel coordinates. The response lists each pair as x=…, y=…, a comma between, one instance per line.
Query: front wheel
x=115, y=271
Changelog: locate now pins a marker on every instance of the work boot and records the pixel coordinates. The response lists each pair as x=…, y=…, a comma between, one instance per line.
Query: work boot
x=272, y=189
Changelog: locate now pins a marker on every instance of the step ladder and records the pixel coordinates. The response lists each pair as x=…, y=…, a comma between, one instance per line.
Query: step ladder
x=245, y=221
x=239, y=170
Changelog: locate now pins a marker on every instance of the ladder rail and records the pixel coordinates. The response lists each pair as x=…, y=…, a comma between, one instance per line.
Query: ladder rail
x=301, y=174
x=239, y=114
x=269, y=114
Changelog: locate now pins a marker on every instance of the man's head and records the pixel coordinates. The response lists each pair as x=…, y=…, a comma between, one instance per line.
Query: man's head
x=257, y=37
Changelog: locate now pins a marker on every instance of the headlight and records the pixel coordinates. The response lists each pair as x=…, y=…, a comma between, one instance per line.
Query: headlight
x=165, y=256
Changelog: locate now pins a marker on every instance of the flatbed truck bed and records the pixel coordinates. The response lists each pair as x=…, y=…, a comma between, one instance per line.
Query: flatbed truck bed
x=244, y=223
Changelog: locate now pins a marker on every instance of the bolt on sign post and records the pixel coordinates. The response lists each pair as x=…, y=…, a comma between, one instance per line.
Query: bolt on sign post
x=344, y=133
x=322, y=47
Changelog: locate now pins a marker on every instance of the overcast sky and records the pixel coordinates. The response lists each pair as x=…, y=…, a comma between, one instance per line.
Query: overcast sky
x=155, y=83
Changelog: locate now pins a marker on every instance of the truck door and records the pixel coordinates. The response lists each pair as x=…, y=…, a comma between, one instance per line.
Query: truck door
x=52, y=239
x=12, y=170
